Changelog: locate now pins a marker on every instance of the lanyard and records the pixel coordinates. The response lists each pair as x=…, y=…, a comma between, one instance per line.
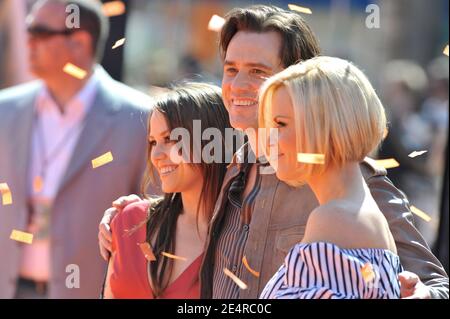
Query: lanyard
x=47, y=159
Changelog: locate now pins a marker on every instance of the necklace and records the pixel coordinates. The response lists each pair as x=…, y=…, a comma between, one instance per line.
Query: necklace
x=46, y=159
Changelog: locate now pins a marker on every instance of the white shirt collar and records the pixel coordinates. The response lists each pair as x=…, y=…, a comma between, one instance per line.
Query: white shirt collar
x=78, y=105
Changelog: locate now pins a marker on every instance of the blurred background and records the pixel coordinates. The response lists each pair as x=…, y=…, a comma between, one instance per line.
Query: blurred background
x=168, y=41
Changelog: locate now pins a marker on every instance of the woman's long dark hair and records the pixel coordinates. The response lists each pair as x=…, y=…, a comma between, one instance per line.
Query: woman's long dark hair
x=180, y=107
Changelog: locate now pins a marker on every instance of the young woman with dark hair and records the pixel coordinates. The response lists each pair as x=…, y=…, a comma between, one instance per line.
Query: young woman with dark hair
x=158, y=244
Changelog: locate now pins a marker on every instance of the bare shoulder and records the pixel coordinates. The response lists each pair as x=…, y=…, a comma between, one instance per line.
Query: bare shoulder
x=346, y=225
x=329, y=222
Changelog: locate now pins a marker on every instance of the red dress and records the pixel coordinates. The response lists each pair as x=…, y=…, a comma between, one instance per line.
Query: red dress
x=129, y=274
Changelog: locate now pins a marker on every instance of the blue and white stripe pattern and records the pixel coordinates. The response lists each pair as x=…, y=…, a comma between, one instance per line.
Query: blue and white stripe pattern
x=322, y=270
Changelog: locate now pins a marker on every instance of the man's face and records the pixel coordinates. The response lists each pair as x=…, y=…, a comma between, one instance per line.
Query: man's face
x=251, y=57
x=48, y=52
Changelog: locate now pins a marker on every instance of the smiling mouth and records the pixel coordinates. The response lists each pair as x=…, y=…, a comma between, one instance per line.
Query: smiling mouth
x=243, y=103
x=166, y=170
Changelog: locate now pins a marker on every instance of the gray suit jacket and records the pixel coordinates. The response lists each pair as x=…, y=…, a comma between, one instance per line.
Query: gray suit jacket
x=117, y=123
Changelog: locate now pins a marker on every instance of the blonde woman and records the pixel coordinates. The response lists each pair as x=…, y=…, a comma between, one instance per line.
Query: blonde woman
x=326, y=106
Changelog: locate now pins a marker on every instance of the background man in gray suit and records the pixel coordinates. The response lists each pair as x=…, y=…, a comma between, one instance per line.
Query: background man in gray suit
x=50, y=130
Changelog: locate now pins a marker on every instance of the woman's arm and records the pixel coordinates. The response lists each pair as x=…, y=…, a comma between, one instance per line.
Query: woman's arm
x=104, y=230
x=107, y=293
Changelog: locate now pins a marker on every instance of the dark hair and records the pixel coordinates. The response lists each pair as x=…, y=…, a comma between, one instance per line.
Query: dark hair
x=180, y=107
x=298, y=41
x=93, y=21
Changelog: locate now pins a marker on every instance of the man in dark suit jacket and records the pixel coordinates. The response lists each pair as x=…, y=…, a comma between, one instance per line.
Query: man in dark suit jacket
x=50, y=131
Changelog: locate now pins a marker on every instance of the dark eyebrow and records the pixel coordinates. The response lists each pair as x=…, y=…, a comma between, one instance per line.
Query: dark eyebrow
x=254, y=65
x=162, y=133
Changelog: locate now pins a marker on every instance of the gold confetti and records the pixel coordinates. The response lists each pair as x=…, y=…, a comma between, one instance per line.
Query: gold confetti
x=118, y=43
x=7, y=199
x=173, y=256
x=385, y=133
x=416, y=153
x=6, y=194
x=147, y=251
x=38, y=184
x=253, y=272
x=216, y=23
x=387, y=163
x=311, y=158
x=113, y=8
x=102, y=160
x=368, y=273
x=236, y=280
x=75, y=71
x=21, y=236
x=294, y=7
x=420, y=213
x=446, y=50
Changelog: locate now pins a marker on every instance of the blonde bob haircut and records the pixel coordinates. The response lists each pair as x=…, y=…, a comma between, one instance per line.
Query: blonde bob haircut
x=336, y=112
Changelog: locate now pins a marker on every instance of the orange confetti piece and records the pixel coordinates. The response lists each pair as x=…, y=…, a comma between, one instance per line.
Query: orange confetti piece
x=311, y=158
x=236, y=280
x=385, y=133
x=75, y=71
x=38, y=184
x=113, y=8
x=294, y=7
x=253, y=272
x=102, y=160
x=7, y=198
x=368, y=273
x=118, y=43
x=173, y=256
x=387, y=163
x=420, y=213
x=6, y=194
x=446, y=50
x=147, y=251
x=21, y=236
x=216, y=23
x=416, y=153
x=4, y=187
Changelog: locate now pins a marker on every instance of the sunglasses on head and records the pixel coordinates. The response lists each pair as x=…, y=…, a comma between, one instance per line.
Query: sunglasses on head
x=44, y=32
